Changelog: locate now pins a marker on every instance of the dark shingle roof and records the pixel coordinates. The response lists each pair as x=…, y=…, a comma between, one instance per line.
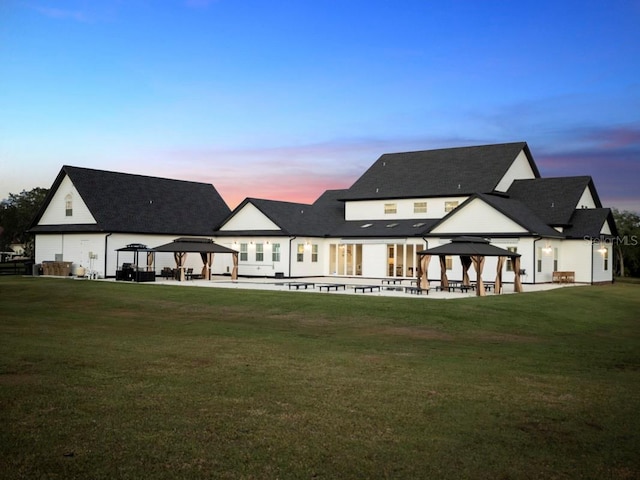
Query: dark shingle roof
x=122, y=202
x=296, y=218
x=588, y=222
x=383, y=228
x=513, y=209
x=553, y=199
x=432, y=173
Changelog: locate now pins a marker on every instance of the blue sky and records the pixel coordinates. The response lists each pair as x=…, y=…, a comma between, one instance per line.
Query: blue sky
x=285, y=99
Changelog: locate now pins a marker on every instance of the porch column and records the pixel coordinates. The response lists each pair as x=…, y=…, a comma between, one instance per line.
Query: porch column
x=423, y=269
x=517, y=284
x=234, y=271
x=478, y=264
x=498, y=287
x=466, y=263
x=444, y=281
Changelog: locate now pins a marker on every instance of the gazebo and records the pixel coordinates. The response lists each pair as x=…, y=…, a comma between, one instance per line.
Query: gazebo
x=205, y=247
x=133, y=271
x=472, y=250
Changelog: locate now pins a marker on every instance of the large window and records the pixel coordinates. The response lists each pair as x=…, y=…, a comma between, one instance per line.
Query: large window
x=300, y=254
x=259, y=252
x=244, y=252
x=275, y=252
x=449, y=206
x=390, y=208
x=419, y=207
x=314, y=253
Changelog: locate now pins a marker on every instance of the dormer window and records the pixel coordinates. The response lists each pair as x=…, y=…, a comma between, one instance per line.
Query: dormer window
x=68, y=205
x=419, y=207
x=390, y=208
x=450, y=206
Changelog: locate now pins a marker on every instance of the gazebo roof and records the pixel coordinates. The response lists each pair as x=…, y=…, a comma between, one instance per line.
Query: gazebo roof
x=467, y=245
x=193, y=244
x=135, y=247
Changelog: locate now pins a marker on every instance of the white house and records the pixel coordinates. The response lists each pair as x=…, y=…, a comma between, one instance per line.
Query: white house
x=404, y=203
x=407, y=202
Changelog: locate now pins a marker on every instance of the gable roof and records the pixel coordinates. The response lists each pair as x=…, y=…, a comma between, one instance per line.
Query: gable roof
x=513, y=209
x=588, y=222
x=122, y=202
x=553, y=199
x=433, y=173
x=315, y=220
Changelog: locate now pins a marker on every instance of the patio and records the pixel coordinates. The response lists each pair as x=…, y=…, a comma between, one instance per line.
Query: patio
x=347, y=286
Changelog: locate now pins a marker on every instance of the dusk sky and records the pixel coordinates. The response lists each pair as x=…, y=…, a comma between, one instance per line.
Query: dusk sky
x=285, y=99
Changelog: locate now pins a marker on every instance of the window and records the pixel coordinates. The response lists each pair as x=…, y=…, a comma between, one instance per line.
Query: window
x=605, y=257
x=314, y=253
x=244, y=255
x=275, y=252
x=539, y=260
x=259, y=252
x=390, y=208
x=449, y=206
x=555, y=259
x=300, y=255
x=68, y=205
x=449, y=262
x=509, y=261
x=419, y=207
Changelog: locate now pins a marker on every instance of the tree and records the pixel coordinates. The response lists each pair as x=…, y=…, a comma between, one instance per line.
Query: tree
x=16, y=214
x=628, y=243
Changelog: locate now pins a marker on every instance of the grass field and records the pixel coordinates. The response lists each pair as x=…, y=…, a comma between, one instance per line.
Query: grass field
x=100, y=380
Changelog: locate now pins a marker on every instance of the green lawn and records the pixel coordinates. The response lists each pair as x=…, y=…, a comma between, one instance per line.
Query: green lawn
x=112, y=381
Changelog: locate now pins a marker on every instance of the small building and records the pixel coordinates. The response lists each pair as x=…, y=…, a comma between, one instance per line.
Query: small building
x=89, y=214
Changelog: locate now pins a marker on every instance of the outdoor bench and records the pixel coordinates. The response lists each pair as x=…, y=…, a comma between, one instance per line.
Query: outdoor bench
x=299, y=285
x=364, y=288
x=332, y=286
x=416, y=290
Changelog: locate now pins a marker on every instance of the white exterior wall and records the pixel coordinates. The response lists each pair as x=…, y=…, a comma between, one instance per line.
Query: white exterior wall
x=478, y=217
x=546, y=258
x=249, y=218
x=598, y=257
x=374, y=209
x=77, y=247
x=55, y=214
x=520, y=169
x=586, y=200
x=576, y=256
x=288, y=257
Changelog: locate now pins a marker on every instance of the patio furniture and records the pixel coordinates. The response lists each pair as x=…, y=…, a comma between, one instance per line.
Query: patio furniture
x=332, y=286
x=364, y=288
